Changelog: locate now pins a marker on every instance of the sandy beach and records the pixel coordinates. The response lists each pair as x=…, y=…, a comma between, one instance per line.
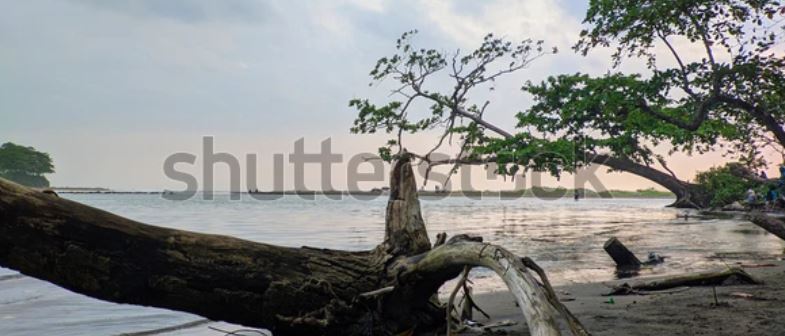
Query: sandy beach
x=743, y=309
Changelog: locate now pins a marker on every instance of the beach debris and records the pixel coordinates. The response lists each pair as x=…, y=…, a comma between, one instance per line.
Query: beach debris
x=610, y=301
x=756, y=265
x=621, y=254
x=748, y=296
x=490, y=328
x=742, y=295
x=627, y=263
x=733, y=275
x=626, y=289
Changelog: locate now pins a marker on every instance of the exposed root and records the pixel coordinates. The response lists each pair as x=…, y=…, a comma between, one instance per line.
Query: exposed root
x=469, y=301
x=538, y=302
x=451, y=300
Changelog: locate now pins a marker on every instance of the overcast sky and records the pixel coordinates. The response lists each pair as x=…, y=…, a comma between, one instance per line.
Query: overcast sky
x=112, y=88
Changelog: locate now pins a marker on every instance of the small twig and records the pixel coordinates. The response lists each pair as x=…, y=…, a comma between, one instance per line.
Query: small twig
x=470, y=301
x=377, y=292
x=239, y=331
x=440, y=239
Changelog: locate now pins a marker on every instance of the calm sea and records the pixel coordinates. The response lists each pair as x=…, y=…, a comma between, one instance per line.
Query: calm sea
x=565, y=237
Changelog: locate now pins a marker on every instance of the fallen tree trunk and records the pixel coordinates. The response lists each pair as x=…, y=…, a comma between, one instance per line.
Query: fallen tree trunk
x=773, y=225
x=291, y=291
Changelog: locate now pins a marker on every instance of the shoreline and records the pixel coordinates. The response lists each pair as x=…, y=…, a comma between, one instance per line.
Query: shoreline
x=743, y=309
x=428, y=194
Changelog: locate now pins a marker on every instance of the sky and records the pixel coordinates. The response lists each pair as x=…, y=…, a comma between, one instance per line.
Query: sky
x=112, y=88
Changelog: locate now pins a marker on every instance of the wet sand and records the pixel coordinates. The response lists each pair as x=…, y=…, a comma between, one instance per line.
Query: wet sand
x=683, y=311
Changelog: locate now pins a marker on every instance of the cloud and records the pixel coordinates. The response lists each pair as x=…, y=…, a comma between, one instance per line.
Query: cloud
x=535, y=19
x=188, y=11
x=131, y=75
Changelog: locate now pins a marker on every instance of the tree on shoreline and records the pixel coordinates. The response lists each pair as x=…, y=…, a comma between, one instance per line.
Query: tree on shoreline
x=737, y=106
x=25, y=165
x=731, y=97
x=739, y=80
x=543, y=143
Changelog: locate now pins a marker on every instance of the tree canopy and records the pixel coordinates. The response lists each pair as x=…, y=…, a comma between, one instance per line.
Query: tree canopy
x=422, y=74
x=731, y=91
x=729, y=98
x=25, y=165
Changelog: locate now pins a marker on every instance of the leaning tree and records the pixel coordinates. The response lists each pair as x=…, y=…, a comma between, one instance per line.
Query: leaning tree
x=389, y=290
x=552, y=136
x=723, y=89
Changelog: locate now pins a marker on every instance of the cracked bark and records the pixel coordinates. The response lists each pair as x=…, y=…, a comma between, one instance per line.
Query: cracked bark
x=291, y=291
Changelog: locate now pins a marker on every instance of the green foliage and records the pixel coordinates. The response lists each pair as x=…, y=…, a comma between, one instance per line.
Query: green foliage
x=698, y=105
x=724, y=186
x=635, y=26
x=25, y=165
x=707, y=103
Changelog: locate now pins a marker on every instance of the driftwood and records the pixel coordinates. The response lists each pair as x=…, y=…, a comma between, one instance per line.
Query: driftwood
x=713, y=278
x=291, y=291
x=621, y=255
x=627, y=264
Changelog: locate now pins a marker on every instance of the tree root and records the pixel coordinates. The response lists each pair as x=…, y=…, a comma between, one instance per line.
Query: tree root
x=538, y=301
x=451, y=300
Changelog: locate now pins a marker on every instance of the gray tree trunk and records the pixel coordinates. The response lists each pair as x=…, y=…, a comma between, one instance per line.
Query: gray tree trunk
x=291, y=291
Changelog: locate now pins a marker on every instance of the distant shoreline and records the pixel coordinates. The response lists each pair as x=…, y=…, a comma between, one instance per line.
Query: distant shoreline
x=528, y=193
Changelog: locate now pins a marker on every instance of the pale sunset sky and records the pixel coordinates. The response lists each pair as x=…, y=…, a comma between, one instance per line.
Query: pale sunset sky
x=112, y=88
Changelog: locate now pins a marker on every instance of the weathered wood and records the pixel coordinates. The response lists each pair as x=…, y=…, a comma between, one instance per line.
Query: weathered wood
x=405, y=232
x=531, y=296
x=621, y=255
x=732, y=275
x=112, y=258
x=292, y=291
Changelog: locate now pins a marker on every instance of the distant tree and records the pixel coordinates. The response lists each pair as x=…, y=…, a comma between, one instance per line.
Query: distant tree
x=25, y=165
